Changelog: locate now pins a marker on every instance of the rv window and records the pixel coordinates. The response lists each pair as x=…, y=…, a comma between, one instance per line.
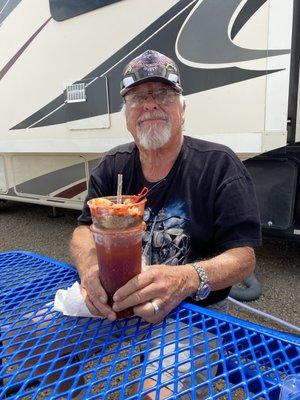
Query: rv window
x=64, y=9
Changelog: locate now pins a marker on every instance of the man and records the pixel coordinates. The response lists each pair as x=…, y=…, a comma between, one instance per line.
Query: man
x=201, y=215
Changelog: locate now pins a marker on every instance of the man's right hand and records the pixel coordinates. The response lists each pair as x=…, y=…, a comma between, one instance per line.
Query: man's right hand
x=94, y=295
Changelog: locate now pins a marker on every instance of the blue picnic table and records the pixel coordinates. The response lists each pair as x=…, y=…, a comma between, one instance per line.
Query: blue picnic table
x=46, y=355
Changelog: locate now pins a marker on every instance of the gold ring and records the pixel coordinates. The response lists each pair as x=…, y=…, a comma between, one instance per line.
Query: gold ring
x=155, y=307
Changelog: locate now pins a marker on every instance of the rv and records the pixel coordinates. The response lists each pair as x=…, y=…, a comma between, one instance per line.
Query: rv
x=60, y=107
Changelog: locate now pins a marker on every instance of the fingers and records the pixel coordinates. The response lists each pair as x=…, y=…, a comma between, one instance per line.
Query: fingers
x=140, y=281
x=161, y=283
x=93, y=310
x=141, y=296
x=94, y=295
x=151, y=311
x=102, y=309
x=91, y=282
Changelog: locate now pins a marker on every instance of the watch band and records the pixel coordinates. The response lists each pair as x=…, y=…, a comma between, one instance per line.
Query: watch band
x=204, y=288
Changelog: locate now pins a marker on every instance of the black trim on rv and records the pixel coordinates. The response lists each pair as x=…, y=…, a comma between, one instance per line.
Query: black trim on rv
x=161, y=35
x=65, y=9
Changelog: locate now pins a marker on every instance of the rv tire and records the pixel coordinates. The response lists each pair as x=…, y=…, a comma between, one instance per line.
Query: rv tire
x=3, y=204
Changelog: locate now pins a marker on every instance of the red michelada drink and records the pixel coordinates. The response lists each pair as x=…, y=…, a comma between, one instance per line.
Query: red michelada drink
x=117, y=229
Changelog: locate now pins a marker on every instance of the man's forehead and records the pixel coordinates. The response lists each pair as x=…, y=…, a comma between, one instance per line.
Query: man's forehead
x=143, y=87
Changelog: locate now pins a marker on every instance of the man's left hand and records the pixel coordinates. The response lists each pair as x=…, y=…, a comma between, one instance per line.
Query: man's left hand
x=164, y=285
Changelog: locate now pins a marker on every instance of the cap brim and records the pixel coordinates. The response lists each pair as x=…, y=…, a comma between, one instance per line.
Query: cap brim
x=173, y=85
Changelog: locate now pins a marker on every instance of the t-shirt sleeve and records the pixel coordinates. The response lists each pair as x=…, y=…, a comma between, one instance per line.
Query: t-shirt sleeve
x=99, y=185
x=237, y=221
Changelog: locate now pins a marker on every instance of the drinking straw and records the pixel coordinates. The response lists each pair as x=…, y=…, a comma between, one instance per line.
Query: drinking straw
x=119, y=189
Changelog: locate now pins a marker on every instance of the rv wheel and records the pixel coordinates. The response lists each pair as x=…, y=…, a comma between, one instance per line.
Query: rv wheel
x=3, y=204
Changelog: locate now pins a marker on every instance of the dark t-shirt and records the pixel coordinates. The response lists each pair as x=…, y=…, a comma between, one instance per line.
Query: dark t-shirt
x=204, y=206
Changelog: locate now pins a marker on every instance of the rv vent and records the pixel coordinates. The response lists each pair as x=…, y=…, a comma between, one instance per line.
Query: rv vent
x=76, y=93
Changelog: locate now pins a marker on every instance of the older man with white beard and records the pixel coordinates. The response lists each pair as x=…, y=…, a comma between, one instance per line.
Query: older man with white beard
x=198, y=189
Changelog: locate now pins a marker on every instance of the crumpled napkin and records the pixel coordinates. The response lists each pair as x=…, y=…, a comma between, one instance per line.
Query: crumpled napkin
x=70, y=302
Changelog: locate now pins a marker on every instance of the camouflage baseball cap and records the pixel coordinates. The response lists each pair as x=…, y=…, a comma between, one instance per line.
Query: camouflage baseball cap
x=150, y=66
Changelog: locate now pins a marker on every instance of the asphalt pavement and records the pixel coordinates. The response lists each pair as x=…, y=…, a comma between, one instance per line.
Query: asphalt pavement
x=30, y=227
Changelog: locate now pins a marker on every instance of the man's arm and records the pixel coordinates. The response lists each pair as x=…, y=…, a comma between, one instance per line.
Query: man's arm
x=84, y=257
x=169, y=285
x=82, y=247
x=230, y=267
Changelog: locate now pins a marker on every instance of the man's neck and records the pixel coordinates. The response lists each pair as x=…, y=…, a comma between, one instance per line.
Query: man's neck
x=156, y=164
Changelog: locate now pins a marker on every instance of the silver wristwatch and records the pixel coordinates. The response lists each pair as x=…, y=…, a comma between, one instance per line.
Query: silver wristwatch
x=204, y=288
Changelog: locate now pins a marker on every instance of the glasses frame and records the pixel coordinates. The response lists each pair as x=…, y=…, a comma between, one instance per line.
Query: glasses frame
x=168, y=98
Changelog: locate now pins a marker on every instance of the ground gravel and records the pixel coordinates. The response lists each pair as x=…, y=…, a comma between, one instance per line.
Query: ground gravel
x=29, y=227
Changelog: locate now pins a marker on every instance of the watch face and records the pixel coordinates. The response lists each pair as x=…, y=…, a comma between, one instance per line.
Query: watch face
x=204, y=292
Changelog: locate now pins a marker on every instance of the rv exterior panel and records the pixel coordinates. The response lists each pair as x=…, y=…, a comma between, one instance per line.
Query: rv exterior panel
x=234, y=57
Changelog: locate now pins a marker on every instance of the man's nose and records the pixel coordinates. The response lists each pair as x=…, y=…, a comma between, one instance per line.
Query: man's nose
x=150, y=103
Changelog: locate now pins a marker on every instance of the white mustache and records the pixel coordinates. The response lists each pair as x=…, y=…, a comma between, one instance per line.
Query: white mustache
x=152, y=115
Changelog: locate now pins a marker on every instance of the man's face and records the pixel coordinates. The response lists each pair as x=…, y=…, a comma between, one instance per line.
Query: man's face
x=154, y=114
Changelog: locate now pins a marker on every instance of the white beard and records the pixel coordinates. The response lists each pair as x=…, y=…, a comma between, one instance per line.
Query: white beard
x=154, y=137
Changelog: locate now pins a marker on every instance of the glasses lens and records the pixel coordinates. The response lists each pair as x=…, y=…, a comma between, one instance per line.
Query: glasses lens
x=161, y=96
x=136, y=99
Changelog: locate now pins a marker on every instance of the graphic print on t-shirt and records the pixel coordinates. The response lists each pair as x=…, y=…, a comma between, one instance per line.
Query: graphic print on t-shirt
x=165, y=240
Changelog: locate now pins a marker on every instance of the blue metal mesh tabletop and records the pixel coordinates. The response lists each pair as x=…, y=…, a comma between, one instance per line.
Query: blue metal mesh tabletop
x=196, y=352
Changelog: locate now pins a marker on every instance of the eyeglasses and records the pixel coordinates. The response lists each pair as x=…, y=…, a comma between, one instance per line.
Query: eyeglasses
x=160, y=96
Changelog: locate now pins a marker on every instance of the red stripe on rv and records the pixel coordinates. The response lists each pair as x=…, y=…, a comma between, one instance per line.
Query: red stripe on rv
x=11, y=62
x=72, y=191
